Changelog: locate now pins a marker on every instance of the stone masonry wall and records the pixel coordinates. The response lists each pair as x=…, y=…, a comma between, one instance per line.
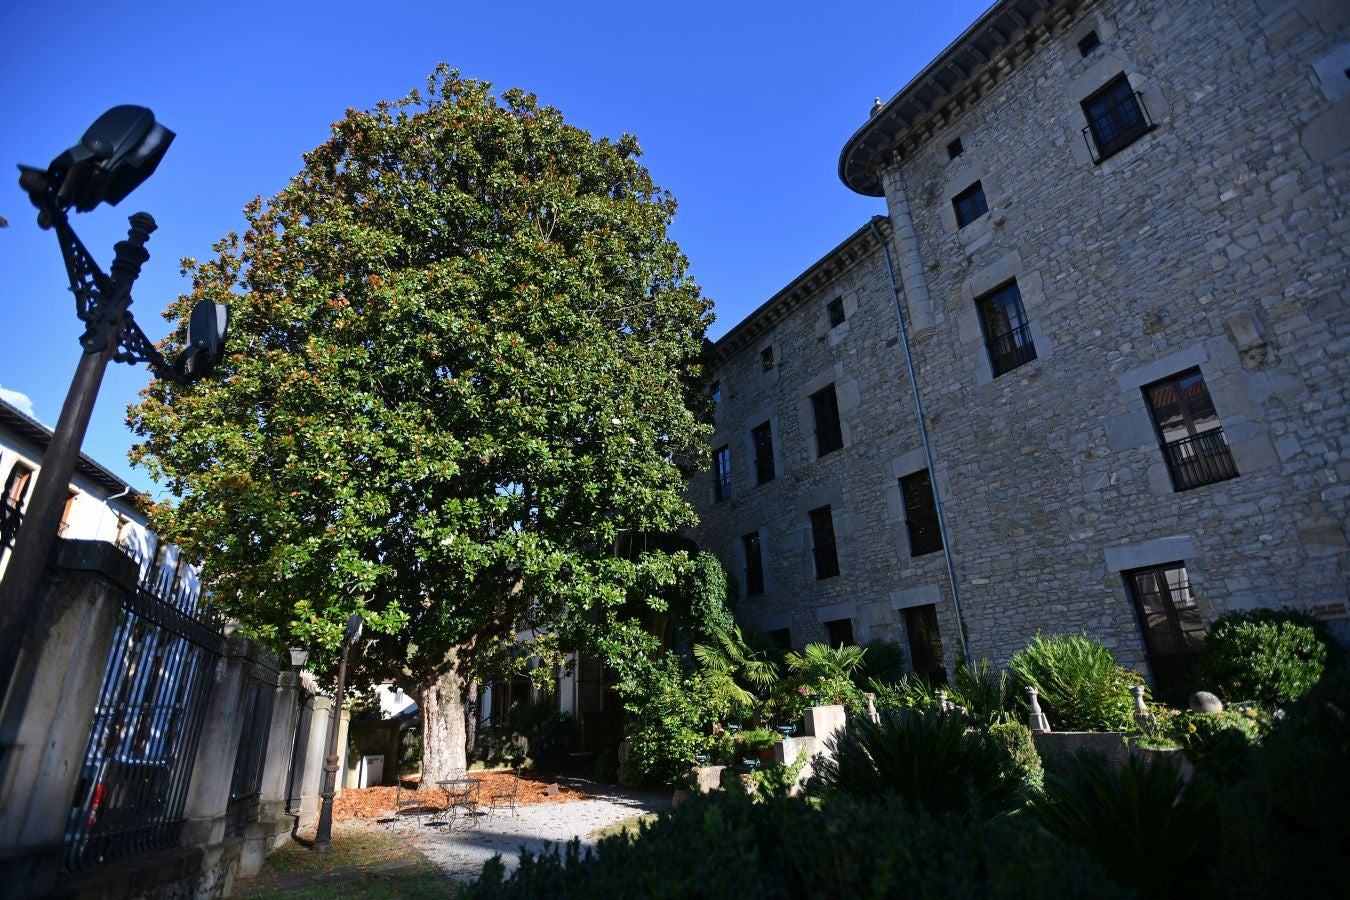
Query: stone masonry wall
x=1217, y=240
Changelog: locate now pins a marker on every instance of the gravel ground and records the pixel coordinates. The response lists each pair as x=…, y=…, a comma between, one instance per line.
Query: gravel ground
x=462, y=852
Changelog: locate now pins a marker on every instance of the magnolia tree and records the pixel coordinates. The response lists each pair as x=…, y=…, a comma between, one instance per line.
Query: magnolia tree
x=461, y=382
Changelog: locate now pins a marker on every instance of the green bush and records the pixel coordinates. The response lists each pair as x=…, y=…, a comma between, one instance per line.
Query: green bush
x=929, y=760
x=1081, y=688
x=1149, y=829
x=669, y=721
x=1220, y=744
x=912, y=691
x=726, y=846
x=1014, y=739
x=885, y=662
x=982, y=690
x=1267, y=655
x=1287, y=825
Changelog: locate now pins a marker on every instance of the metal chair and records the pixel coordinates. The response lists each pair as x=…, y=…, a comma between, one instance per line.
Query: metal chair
x=406, y=799
x=506, y=799
x=461, y=799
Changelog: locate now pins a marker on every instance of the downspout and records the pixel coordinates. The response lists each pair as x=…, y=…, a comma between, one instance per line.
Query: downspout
x=927, y=448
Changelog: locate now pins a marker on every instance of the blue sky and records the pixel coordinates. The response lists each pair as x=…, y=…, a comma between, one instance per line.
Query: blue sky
x=741, y=108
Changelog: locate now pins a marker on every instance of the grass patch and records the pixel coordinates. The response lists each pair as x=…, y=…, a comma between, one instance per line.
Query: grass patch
x=361, y=864
x=629, y=826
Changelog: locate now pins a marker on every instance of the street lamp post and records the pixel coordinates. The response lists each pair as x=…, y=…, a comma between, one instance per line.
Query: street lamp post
x=118, y=152
x=323, y=838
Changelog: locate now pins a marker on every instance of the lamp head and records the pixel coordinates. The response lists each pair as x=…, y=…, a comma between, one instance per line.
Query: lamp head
x=118, y=152
x=299, y=657
x=354, y=626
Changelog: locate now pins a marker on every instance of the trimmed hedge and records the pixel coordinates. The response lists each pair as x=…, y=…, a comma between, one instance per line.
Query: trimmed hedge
x=726, y=846
x=1272, y=656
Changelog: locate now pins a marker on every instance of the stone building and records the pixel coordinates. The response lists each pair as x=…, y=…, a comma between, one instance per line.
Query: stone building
x=1117, y=233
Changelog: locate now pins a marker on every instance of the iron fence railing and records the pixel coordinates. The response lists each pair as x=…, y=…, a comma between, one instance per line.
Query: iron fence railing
x=1202, y=459
x=1111, y=129
x=1010, y=350
x=138, y=762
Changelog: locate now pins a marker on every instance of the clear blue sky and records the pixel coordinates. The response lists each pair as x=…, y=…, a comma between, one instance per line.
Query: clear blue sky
x=741, y=108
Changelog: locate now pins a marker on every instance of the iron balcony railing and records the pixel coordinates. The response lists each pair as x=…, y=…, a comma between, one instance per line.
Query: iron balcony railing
x=1008, y=351
x=1202, y=459
x=1114, y=128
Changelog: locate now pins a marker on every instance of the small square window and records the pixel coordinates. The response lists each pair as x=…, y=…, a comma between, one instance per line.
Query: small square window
x=970, y=205
x=1116, y=118
x=955, y=148
x=766, y=358
x=836, y=309
x=1089, y=43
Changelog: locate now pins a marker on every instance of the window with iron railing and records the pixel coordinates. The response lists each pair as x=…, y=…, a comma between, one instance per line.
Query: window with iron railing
x=721, y=473
x=1189, y=431
x=1007, y=334
x=1116, y=118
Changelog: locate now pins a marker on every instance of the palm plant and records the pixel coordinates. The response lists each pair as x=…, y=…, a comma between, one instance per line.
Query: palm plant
x=1080, y=685
x=829, y=671
x=739, y=667
x=983, y=690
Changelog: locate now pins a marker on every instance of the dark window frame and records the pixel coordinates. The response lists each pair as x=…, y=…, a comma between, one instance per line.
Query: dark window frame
x=824, y=549
x=1088, y=44
x=924, y=635
x=761, y=437
x=754, y=563
x=766, y=359
x=721, y=473
x=715, y=392
x=970, y=204
x=835, y=309
x=921, y=518
x=1203, y=456
x=1171, y=645
x=839, y=633
x=829, y=428
x=955, y=148
x=1116, y=118
x=1007, y=330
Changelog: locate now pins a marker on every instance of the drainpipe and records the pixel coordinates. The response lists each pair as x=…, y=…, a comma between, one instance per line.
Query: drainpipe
x=927, y=449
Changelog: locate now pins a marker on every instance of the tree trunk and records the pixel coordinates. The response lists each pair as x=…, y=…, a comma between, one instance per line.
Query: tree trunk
x=442, y=709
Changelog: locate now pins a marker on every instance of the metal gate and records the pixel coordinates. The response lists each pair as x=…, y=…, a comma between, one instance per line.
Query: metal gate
x=138, y=763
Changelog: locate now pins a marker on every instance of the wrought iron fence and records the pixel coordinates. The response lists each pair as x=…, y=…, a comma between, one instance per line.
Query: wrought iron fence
x=138, y=762
x=1008, y=351
x=246, y=782
x=1202, y=459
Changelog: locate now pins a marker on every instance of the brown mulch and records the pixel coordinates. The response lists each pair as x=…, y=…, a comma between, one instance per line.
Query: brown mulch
x=378, y=802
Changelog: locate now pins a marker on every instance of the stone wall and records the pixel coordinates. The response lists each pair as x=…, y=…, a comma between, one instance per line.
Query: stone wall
x=1217, y=240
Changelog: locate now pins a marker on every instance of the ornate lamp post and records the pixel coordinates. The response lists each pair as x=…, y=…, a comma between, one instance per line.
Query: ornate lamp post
x=118, y=152
x=323, y=839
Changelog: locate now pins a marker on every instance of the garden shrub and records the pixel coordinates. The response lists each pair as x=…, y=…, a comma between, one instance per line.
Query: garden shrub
x=724, y=845
x=1014, y=739
x=1149, y=829
x=982, y=690
x=1271, y=656
x=884, y=662
x=1286, y=826
x=669, y=721
x=1220, y=744
x=913, y=691
x=928, y=760
x=1081, y=688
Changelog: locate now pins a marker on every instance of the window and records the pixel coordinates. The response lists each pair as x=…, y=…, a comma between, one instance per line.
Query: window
x=1089, y=43
x=11, y=504
x=66, y=511
x=781, y=638
x=721, y=473
x=766, y=358
x=825, y=407
x=836, y=310
x=955, y=149
x=840, y=632
x=1116, y=118
x=1188, y=429
x=762, y=437
x=925, y=643
x=921, y=514
x=822, y=543
x=970, y=205
x=754, y=564
x=1006, y=332
x=715, y=391
x=1170, y=621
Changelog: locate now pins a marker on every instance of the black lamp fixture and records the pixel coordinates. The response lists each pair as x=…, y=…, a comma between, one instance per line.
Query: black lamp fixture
x=115, y=156
x=299, y=657
x=323, y=836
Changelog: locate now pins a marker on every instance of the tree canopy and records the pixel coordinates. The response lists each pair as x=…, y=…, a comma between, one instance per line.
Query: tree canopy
x=462, y=375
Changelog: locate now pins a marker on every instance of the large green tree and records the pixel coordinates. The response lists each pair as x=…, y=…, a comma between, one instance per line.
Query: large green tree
x=461, y=377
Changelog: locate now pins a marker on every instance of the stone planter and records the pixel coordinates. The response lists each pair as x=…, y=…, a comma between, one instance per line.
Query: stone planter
x=1175, y=755
x=1062, y=746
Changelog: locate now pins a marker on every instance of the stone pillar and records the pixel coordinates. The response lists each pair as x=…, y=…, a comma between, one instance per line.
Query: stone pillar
x=49, y=710
x=273, y=823
x=346, y=773
x=209, y=791
x=908, y=259
x=314, y=752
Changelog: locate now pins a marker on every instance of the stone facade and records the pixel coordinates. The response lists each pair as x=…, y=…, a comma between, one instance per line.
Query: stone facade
x=1215, y=240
